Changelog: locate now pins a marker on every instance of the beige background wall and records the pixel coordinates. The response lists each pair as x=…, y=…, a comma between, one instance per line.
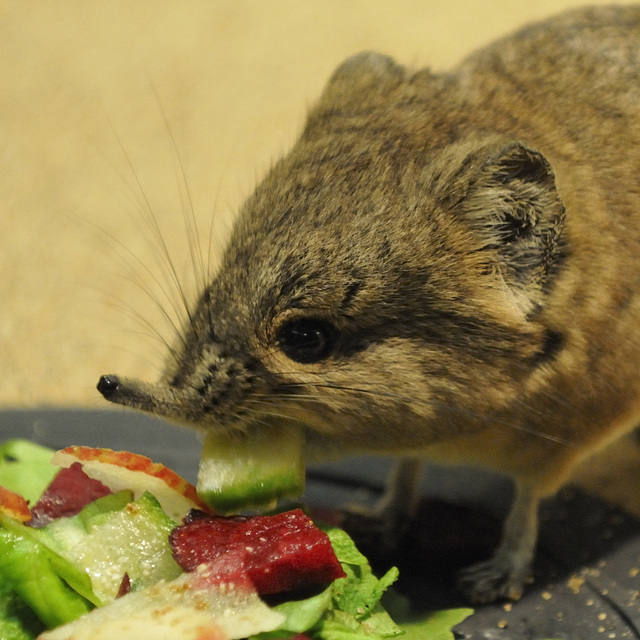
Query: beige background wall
x=91, y=93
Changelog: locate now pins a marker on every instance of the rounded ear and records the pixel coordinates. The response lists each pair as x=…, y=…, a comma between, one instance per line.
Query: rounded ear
x=515, y=206
x=367, y=73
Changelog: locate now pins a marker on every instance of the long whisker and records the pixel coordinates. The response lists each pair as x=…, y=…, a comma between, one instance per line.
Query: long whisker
x=261, y=413
x=452, y=409
x=168, y=318
x=122, y=349
x=189, y=218
x=150, y=329
x=148, y=217
x=412, y=400
x=285, y=396
x=103, y=235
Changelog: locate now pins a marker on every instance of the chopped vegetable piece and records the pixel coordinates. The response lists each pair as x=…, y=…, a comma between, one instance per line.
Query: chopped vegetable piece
x=356, y=598
x=77, y=579
x=124, y=470
x=69, y=492
x=191, y=607
x=434, y=625
x=304, y=615
x=32, y=572
x=251, y=471
x=277, y=553
x=25, y=467
x=125, y=586
x=14, y=505
x=108, y=543
x=96, y=512
x=65, y=535
x=17, y=621
x=335, y=613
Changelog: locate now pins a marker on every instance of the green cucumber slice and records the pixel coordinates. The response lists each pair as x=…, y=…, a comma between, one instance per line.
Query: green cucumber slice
x=25, y=468
x=17, y=621
x=251, y=471
x=63, y=535
x=100, y=510
x=113, y=536
x=41, y=579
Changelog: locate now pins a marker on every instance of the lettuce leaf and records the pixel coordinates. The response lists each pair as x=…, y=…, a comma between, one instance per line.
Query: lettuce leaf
x=32, y=572
x=25, y=468
x=17, y=621
x=356, y=610
x=435, y=625
x=351, y=608
x=24, y=551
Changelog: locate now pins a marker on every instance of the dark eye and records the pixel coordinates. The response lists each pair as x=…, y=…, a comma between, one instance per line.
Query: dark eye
x=306, y=340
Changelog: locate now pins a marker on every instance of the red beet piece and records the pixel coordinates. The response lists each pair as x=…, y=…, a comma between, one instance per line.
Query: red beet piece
x=125, y=586
x=69, y=491
x=279, y=553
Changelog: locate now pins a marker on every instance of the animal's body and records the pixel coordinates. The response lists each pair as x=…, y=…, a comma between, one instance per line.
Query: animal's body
x=444, y=267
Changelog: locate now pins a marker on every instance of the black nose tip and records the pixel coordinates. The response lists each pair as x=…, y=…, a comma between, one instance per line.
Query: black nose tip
x=108, y=385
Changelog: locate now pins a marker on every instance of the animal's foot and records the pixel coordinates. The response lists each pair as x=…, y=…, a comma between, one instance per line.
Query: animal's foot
x=492, y=580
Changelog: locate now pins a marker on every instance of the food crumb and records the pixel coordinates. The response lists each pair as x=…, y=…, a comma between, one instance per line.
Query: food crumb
x=634, y=572
x=590, y=603
x=601, y=629
x=574, y=583
x=546, y=595
x=602, y=616
x=508, y=606
x=502, y=624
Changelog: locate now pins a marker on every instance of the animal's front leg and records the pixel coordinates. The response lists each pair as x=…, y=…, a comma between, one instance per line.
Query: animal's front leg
x=389, y=517
x=402, y=494
x=505, y=574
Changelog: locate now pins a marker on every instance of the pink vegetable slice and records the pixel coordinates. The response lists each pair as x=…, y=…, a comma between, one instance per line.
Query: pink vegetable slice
x=279, y=553
x=120, y=470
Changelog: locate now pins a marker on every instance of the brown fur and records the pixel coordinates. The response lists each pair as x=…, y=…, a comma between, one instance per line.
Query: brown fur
x=471, y=238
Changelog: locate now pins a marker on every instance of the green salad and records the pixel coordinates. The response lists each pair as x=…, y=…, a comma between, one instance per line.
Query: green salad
x=97, y=543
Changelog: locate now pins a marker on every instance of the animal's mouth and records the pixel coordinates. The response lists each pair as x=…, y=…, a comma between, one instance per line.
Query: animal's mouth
x=324, y=440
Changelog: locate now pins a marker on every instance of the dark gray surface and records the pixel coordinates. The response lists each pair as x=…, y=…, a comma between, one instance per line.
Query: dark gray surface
x=587, y=578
